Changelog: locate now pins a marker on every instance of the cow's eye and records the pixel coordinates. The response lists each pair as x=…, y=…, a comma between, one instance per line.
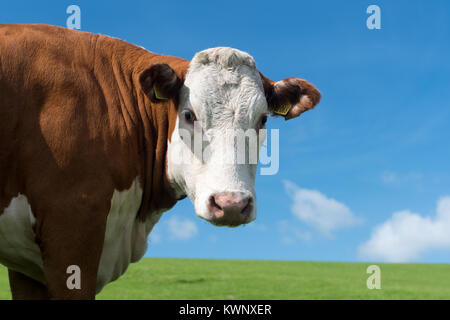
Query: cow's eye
x=263, y=120
x=189, y=116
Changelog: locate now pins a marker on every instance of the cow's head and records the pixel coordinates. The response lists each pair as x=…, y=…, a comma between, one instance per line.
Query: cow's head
x=223, y=94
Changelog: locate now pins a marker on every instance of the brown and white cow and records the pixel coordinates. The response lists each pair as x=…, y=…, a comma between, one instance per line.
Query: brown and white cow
x=87, y=131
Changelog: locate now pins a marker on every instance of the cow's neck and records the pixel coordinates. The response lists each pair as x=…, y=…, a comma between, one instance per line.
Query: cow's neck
x=157, y=122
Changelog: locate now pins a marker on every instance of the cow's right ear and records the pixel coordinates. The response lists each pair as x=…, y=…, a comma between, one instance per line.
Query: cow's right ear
x=160, y=82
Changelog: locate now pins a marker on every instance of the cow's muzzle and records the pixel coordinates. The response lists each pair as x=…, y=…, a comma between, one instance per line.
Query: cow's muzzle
x=230, y=208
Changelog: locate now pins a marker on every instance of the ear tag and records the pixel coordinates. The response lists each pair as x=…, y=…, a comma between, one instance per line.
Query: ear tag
x=158, y=95
x=283, y=110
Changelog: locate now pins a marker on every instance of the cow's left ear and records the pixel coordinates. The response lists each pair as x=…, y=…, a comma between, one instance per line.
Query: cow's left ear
x=290, y=97
x=160, y=82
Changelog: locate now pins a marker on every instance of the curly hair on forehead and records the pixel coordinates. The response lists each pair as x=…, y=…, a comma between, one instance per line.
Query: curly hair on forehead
x=225, y=57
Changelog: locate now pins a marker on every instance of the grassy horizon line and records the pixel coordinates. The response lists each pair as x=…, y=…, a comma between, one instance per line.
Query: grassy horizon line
x=157, y=278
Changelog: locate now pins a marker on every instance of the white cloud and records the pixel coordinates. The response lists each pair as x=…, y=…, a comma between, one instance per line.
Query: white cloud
x=290, y=232
x=319, y=211
x=182, y=229
x=155, y=237
x=407, y=235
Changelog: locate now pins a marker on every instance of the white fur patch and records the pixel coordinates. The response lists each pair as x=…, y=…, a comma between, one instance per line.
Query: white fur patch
x=18, y=250
x=126, y=236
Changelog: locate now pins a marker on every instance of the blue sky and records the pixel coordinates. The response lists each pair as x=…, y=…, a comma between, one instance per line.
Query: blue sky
x=375, y=152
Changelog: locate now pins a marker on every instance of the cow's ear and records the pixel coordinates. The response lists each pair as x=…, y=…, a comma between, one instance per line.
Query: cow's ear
x=160, y=82
x=290, y=97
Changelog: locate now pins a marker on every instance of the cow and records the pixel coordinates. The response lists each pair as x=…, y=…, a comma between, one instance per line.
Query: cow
x=88, y=125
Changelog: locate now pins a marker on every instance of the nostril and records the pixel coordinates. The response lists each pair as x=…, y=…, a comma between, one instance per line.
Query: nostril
x=213, y=203
x=248, y=207
x=217, y=210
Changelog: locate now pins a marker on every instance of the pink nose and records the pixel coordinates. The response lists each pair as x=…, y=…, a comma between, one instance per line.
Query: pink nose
x=231, y=209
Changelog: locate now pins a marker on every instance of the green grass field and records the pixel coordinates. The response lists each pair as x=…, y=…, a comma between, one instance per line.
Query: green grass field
x=154, y=278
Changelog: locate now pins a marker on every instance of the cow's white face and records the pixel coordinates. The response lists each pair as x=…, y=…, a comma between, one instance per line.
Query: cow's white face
x=223, y=103
x=222, y=98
